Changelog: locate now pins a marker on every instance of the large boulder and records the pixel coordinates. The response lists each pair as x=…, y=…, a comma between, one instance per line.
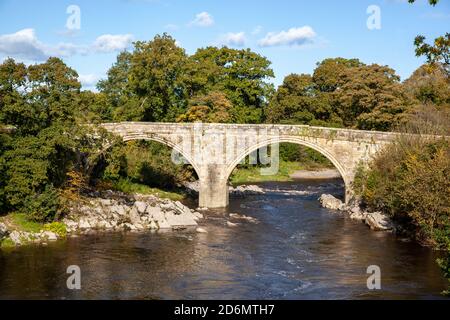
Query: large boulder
x=330, y=202
x=140, y=206
x=242, y=191
x=16, y=237
x=155, y=213
x=180, y=220
x=378, y=221
x=135, y=218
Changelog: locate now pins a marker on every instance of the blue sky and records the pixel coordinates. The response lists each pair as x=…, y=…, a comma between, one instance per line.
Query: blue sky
x=294, y=35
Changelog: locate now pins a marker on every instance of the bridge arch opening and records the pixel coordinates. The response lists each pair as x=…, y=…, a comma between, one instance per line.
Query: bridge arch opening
x=292, y=141
x=154, y=174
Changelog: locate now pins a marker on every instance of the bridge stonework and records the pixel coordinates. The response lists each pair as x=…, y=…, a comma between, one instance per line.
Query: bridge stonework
x=214, y=150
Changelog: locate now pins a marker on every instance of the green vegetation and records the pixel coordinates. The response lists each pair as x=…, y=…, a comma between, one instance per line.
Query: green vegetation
x=21, y=221
x=252, y=174
x=127, y=186
x=56, y=227
x=7, y=243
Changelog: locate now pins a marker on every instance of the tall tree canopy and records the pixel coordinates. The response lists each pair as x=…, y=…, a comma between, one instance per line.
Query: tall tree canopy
x=157, y=81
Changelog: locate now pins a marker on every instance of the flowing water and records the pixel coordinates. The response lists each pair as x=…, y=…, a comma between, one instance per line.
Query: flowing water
x=297, y=250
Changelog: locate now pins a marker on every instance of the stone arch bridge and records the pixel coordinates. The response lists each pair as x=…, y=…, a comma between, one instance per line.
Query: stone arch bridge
x=214, y=150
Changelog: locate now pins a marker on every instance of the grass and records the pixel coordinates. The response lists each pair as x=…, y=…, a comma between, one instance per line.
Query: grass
x=253, y=174
x=127, y=186
x=7, y=243
x=20, y=221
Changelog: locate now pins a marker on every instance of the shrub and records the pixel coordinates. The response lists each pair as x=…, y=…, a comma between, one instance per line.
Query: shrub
x=44, y=206
x=56, y=227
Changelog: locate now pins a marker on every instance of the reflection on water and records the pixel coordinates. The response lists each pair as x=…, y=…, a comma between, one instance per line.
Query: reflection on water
x=296, y=251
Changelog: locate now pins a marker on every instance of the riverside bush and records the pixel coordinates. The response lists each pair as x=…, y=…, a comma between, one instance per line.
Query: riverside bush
x=410, y=181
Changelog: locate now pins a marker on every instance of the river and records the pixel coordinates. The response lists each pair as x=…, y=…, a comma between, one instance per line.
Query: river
x=297, y=250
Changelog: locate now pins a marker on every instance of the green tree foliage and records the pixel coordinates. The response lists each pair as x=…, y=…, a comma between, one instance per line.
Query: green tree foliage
x=147, y=163
x=211, y=108
x=410, y=180
x=436, y=54
x=432, y=2
x=42, y=103
x=327, y=76
x=429, y=85
x=298, y=101
x=240, y=74
x=342, y=92
x=158, y=81
x=371, y=98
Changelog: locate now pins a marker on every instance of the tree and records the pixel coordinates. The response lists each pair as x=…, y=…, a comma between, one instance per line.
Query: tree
x=436, y=54
x=327, y=75
x=439, y=52
x=35, y=97
x=42, y=102
x=371, y=98
x=211, y=108
x=429, y=85
x=155, y=77
x=240, y=74
x=298, y=101
x=432, y=2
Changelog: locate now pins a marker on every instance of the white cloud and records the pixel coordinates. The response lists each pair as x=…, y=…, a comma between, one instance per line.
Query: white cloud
x=22, y=44
x=203, y=19
x=25, y=45
x=110, y=43
x=294, y=36
x=88, y=80
x=233, y=39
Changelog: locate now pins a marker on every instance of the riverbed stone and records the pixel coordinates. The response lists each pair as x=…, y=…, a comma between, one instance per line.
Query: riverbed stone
x=15, y=236
x=378, y=221
x=134, y=215
x=163, y=224
x=180, y=220
x=330, y=202
x=50, y=236
x=140, y=206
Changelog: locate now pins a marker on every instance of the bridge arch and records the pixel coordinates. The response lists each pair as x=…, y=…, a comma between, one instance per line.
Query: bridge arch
x=293, y=140
x=163, y=141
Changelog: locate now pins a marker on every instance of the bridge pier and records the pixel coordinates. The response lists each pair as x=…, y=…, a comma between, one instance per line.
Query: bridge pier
x=213, y=193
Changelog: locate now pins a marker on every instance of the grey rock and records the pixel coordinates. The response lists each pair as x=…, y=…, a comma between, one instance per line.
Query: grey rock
x=15, y=236
x=3, y=231
x=140, y=206
x=329, y=202
x=164, y=224
x=378, y=221
x=155, y=213
x=180, y=220
x=134, y=216
x=50, y=236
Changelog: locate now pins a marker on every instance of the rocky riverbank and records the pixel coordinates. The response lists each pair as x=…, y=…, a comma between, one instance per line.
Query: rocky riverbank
x=121, y=212
x=377, y=221
x=114, y=212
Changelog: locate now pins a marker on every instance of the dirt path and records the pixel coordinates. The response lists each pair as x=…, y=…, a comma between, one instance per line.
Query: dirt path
x=319, y=174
